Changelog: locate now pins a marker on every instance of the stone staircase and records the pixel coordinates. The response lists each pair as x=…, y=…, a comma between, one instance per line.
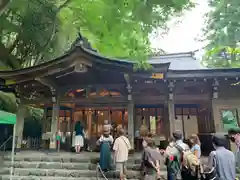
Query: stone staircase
x=63, y=166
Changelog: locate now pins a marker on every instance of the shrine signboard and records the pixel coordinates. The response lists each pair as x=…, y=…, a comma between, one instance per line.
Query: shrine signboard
x=157, y=75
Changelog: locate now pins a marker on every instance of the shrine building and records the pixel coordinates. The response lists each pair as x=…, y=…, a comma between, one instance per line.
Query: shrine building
x=177, y=93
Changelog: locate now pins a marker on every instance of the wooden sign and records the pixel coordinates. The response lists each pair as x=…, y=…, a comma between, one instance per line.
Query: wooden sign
x=157, y=75
x=10, y=82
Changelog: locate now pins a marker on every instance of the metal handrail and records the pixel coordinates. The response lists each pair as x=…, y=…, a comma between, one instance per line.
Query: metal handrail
x=100, y=169
x=5, y=142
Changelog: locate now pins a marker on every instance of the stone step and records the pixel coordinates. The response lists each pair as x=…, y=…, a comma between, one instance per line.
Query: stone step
x=50, y=165
x=69, y=173
x=64, y=159
x=66, y=173
x=7, y=177
x=49, y=159
x=66, y=165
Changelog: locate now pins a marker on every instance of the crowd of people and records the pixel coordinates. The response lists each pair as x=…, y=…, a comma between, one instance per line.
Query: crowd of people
x=120, y=145
x=182, y=157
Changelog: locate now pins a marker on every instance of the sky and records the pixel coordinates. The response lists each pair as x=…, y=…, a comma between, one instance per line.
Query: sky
x=182, y=36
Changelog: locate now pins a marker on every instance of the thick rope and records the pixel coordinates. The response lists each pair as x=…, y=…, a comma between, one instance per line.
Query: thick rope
x=98, y=168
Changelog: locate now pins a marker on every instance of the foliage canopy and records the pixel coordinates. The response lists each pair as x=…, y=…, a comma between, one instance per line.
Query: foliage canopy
x=34, y=31
x=222, y=31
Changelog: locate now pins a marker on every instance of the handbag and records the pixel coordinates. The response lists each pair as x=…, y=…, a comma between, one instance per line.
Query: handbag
x=211, y=173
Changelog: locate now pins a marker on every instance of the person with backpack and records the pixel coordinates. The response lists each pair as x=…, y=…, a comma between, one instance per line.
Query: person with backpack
x=173, y=156
x=190, y=167
x=144, y=142
x=151, y=158
x=170, y=143
x=222, y=159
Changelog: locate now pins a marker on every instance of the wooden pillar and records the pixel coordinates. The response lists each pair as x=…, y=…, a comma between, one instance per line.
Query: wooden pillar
x=130, y=109
x=171, y=114
x=171, y=108
x=123, y=115
x=55, y=118
x=44, y=128
x=96, y=122
x=130, y=117
x=131, y=122
x=215, y=90
x=89, y=123
x=20, y=126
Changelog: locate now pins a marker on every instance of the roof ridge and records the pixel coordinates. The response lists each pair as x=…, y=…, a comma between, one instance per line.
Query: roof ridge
x=174, y=55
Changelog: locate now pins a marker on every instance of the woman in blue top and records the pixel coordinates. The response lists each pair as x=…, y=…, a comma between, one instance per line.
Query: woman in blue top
x=195, y=145
x=79, y=140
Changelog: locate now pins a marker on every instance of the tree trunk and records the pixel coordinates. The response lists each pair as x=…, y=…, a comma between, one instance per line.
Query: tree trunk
x=3, y=5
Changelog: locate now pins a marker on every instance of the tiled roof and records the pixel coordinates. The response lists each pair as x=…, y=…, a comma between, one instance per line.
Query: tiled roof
x=178, y=61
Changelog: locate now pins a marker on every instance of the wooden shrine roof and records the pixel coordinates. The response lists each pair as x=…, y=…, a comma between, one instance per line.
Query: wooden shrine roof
x=75, y=57
x=84, y=59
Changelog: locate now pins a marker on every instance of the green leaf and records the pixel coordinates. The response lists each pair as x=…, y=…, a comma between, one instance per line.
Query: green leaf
x=222, y=30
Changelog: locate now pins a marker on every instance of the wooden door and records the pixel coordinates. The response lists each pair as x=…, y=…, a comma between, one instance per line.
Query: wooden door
x=205, y=128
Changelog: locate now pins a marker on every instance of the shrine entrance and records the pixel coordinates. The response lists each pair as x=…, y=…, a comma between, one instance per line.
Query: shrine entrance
x=152, y=117
x=93, y=119
x=155, y=118
x=186, y=119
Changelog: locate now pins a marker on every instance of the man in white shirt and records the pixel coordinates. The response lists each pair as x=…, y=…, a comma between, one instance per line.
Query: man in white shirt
x=121, y=148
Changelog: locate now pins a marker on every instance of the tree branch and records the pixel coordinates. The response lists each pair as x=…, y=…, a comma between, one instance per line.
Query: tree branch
x=63, y=5
x=3, y=5
x=15, y=43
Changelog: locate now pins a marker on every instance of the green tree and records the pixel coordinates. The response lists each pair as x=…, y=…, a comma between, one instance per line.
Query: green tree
x=222, y=32
x=121, y=28
x=35, y=31
x=8, y=102
x=25, y=32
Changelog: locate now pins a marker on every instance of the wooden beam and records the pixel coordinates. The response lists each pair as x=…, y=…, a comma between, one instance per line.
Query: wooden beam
x=104, y=101
x=64, y=89
x=138, y=86
x=94, y=100
x=200, y=74
x=188, y=97
x=150, y=99
x=36, y=101
x=47, y=82
x=102, y=105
